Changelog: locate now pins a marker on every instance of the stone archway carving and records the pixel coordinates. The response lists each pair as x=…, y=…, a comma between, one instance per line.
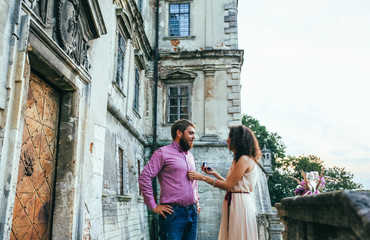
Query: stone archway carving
x=70, y=32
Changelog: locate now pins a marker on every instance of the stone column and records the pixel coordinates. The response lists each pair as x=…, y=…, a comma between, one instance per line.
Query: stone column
x=208, y=24
x=210, y=107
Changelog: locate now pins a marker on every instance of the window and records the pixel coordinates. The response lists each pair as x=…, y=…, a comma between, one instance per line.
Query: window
x=137, y=89
x=138, y=172
x=122, y=175
x=140, y=5
x=120, y=60
x=179, y=19
x=178, y=102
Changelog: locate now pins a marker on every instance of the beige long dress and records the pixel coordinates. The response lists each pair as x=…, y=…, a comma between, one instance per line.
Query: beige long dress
x=238, y=222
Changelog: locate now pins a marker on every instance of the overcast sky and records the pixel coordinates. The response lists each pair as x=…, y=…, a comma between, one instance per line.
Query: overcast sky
x=306, y=76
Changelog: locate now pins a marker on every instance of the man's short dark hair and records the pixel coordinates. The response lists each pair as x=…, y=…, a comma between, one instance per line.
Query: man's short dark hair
x=182, y=125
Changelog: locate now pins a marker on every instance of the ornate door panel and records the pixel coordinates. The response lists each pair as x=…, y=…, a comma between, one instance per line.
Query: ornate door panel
x=32, y=214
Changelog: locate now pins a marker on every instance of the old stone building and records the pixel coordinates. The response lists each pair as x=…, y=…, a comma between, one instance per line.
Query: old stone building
x=88, y=88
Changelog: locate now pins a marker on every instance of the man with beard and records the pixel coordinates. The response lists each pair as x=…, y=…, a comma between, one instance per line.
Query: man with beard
x=178, y=209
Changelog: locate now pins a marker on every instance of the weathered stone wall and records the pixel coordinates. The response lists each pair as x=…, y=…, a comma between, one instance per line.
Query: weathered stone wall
x=8, y=18
x=334, y=215
x=14, y=79
x=213, y=25
x=124, y=217
x=211, y=199
x=97, y=117
x=215, y=90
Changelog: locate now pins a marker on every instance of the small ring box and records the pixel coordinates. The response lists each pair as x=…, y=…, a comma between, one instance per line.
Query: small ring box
x=205, y=168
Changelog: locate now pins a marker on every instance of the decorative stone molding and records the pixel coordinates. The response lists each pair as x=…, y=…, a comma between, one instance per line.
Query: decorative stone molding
x=178, y=75
x=76, y=25
x=39, y=8
x=70, y=33
x=179, y=38
x=40, y=46
x=130, y=14
x=97, y=18
x=206, y=54
x=209, y=70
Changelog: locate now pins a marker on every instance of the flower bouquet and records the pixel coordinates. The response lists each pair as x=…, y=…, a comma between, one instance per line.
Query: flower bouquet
x=312, y=183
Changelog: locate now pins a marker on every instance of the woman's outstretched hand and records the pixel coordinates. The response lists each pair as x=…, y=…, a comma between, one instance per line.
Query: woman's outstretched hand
x=211, y=172
x=194, y=175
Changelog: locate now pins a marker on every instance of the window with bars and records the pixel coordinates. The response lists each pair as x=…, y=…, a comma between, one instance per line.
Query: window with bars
x=120, y=60
x=179, y=20
x=137, y=89
x=178, y=105
x=138, y=172
x=122, y=175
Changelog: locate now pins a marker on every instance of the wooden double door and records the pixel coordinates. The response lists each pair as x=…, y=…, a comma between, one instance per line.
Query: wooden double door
x=32, y=215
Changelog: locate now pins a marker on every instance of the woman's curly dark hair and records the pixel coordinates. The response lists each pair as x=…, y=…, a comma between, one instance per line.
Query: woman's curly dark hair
x=243, y=140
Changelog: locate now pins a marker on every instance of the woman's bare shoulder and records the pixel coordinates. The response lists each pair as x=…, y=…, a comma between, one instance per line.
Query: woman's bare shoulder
x=248, y=162
x=246, y=159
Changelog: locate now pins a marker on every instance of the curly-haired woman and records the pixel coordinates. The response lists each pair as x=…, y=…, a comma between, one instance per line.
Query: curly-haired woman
x=238, y=219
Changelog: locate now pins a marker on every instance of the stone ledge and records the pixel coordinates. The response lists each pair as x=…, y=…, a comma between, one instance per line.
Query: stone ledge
x=179, y=38
x=205, y=54
x=344, y=214
x=124, y=198
x=220, y=143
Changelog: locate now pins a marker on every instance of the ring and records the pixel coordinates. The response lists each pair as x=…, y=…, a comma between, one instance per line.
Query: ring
x=205, y=168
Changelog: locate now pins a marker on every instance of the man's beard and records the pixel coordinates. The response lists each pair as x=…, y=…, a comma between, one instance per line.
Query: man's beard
x=185, y=144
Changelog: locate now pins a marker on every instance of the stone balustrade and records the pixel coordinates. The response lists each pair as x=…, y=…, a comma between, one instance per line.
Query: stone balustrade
x=334, y=215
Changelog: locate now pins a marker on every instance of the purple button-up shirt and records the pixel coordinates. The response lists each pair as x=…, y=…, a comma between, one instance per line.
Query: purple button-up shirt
x=170, y=164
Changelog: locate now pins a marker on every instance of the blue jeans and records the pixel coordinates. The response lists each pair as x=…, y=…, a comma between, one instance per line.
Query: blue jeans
x=180, y=225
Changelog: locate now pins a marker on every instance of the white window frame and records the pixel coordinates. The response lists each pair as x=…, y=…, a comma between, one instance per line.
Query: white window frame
x=171, y=34
x=179, y=96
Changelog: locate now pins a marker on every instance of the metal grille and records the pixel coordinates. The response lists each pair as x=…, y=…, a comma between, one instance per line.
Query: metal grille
x=120, y=171
x=137, y=89
x=139, y=171
x=120, y=60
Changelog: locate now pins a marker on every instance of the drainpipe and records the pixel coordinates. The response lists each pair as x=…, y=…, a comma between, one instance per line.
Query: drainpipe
x=154, y=230
x=156, y=60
